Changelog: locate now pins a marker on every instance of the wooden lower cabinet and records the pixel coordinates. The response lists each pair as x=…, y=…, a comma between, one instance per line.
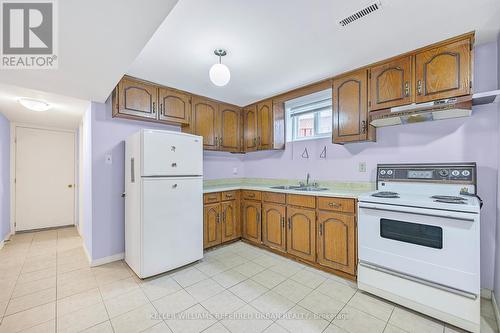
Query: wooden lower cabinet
x=211, y=225
x=301, y=233
x=337, y=241
x=230, y=221
x=251, y=214
x=273, y=226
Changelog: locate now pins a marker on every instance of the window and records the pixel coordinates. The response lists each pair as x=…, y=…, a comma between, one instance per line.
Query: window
x=309, y=117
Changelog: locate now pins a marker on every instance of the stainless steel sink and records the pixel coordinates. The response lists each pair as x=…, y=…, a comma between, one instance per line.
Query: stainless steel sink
x=299, y=188
x=311, y=189
x=286, y=187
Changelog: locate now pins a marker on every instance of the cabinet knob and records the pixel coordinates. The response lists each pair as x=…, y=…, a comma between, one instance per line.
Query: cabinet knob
x=174, y=165
x=174, y=186
x=172, y=148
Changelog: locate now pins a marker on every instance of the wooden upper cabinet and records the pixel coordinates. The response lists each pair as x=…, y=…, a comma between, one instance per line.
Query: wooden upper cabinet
x=301, y=233
x=230, y=133
x=205, y=122
x=443, y=72
x=230, y=221
x=265, y=125
x=337, y=241
x=251, y=212
x=136, y=99
x=391, y=84
x=174, y=106
x=350, y=108
x=211, y=225
x=250, y=128
x=273, y=226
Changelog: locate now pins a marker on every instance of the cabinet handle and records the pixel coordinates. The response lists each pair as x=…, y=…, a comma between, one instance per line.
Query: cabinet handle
x=216, y=141
x=161, y=109
x=407, y=89
x=289, y=223
x=255, y=141
x=419, y=87
x=283, y=222
x=321, y=229
x=218, y=218
x=154, y=107
x=334, y=204
x=220, y=141
x=363, y=127
x=259, y=141
x=251, y=195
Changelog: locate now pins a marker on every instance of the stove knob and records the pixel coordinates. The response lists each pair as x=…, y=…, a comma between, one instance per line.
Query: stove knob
x=389, y=172
x=455, y=173
x=466, y=173
x=382, y=172
x=444, y=172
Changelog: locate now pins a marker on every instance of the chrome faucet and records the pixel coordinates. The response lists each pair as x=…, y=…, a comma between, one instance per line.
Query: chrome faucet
x=308, y=176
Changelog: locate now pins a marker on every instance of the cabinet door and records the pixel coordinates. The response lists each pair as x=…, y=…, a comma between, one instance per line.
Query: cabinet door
x=250, y=128
x=229, y=128
x=174, y=106
x=337, y=241
x=211, y=225
x=273, y=226
x=391, y=84
x=230, y=227
x=350, y=108
x=205, y=122
x=301, y=233
x=251, y=221
x=265, y=125
x=137, y=99
x=443, y=72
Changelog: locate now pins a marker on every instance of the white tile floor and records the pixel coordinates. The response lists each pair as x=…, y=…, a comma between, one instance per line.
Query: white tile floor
x=46, y=285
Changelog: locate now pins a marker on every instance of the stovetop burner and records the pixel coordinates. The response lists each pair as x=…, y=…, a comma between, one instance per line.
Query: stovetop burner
x=449, y=199
x=385, y=194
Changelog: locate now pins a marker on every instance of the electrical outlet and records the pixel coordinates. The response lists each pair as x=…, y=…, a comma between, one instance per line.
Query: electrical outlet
x=362, y=167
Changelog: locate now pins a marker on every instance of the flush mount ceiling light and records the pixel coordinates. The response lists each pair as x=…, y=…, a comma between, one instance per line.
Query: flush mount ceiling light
x=219, y=73
x=34, y=104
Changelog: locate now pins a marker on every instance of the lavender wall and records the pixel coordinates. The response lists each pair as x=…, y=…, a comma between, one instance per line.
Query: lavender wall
x=497, y=256
x=4, y=177
x=108, y=180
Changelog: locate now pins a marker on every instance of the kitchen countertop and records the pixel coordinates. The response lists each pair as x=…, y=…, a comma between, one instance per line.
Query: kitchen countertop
x=331, y=192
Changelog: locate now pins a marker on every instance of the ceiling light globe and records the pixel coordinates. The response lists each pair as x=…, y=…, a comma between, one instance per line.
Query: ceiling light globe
x=219, y=75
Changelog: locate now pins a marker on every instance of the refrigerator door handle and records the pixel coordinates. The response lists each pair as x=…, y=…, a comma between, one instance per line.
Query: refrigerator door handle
x=132, y=170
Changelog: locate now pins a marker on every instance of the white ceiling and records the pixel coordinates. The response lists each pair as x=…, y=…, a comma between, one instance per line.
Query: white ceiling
x=66, y=112
x=281, y=44
x=98, y=40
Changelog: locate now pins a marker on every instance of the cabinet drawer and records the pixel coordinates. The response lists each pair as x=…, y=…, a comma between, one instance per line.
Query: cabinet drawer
x=274, y=197
x=228, y=195
x=251, y=195
x=308, y=201
x=336, y=204
x=211, y=197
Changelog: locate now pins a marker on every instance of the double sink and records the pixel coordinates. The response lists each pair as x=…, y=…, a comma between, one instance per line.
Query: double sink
x=299, y=188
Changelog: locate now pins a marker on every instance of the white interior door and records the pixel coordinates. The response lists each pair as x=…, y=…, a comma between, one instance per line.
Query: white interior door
x=45, y=178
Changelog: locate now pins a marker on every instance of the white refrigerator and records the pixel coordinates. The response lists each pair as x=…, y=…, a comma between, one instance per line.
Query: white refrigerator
x=163, y=201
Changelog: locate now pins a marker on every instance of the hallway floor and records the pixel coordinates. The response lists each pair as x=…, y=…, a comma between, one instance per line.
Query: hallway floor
x=46, y=285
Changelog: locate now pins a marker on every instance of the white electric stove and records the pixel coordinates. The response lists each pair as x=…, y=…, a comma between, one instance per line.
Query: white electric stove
x=419, y=240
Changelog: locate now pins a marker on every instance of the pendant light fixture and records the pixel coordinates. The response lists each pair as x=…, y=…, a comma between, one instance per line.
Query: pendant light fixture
x=219, y=73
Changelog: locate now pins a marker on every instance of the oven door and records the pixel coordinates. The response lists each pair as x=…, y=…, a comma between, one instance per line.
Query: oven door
x=437, y=246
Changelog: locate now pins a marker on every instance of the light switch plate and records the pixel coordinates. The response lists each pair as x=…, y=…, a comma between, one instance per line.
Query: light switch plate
x=108, y=158
x=362, y=167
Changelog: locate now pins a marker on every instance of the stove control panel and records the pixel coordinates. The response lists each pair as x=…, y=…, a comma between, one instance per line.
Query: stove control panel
x=437, y=173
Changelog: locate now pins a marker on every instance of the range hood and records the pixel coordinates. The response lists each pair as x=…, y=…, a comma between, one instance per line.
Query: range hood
x=416, y=113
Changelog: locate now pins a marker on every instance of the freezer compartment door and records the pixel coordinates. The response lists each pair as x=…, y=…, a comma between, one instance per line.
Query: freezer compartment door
x=172, y=234
x=167, y=153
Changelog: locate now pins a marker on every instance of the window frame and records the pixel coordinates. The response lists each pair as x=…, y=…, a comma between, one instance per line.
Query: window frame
x=294, y=119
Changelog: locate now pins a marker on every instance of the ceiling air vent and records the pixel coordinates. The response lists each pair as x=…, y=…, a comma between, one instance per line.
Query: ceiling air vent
x=361, y=13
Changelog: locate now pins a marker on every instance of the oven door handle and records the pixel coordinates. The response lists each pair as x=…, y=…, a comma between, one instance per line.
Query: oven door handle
x=418, y=280
x=453, y=217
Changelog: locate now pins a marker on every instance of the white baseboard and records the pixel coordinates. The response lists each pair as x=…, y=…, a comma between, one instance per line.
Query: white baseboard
x=107, y=260
x=495, y=308
x=486, y=293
